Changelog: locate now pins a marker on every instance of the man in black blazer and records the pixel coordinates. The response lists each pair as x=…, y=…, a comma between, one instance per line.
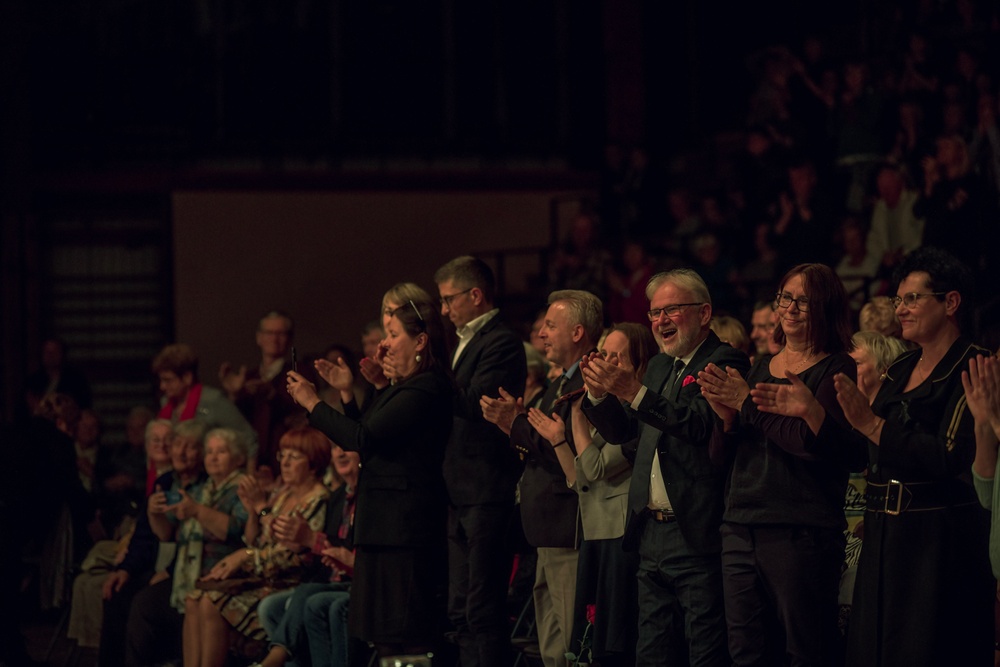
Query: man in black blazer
x=480, y=469
x=572, y=327
x=677, y=491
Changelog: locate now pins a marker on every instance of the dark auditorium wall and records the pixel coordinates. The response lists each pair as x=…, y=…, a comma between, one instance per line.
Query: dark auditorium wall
x=326, y=258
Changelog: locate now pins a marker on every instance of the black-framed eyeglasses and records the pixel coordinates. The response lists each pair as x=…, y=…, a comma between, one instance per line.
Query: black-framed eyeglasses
x=910, y=298
x=446, y=300
x=670, y=311
x=784, y=300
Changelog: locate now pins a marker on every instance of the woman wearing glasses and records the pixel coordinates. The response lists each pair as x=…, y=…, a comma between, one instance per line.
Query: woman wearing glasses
x=400, y=567
x=782, y=532
x=924, y=592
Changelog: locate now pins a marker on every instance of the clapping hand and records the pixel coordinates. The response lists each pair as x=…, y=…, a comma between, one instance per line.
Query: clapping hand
x=337, y=375
x=609, y=378
x=551, y=428
x=251, y=494
x=502, y=410
x=790, y=400
x=982, y=391
x=725, y=391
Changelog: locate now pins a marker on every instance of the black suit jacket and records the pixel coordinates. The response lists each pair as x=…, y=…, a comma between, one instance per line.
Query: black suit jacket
x=479, y=465
x=401, y=439
x=679, y=426
x=548, y=506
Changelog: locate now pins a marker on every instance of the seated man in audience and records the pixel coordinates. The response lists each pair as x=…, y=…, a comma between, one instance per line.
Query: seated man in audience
x=184, y=397
x=260, y=392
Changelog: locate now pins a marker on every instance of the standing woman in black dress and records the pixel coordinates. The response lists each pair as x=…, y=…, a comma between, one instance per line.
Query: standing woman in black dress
x=400, y=577
x=924, y=590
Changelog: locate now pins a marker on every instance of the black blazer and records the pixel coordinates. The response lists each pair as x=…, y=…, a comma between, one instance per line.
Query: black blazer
x=479, y=464
x=401, y=439
x=548, y=506
x=679, y=426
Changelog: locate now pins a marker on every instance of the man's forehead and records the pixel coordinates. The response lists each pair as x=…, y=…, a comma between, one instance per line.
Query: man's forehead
x=275, y=323
x=670, y=292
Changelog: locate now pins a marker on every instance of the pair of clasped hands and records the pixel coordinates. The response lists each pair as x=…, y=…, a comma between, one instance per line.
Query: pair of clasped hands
x=601, y=377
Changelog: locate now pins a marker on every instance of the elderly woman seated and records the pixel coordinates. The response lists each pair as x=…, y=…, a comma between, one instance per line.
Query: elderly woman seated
x=207, y=523
x=224, y=606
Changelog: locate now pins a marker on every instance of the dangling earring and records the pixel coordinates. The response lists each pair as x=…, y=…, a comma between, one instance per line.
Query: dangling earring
x=418, y=357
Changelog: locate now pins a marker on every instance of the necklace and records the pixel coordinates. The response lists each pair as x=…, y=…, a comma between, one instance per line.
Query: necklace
x=795, y=369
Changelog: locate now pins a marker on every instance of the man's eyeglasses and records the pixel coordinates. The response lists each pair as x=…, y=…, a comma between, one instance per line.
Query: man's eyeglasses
x=670, y=311
x=446, y=300
x=910, y=298
x=784, y=300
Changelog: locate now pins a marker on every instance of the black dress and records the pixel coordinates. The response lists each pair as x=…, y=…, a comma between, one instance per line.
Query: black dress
x=924, y=590
x=400, y=570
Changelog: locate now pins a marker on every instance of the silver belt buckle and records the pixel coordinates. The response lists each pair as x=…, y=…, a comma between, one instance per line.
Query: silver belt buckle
x=894, y=511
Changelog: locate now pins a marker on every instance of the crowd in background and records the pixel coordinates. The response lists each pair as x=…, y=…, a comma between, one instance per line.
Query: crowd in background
x=229, y=523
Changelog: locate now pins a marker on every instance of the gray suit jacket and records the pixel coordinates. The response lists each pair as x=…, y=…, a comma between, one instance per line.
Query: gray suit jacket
x=602, y=482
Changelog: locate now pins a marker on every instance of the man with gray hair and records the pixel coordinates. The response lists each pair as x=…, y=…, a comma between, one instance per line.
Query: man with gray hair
x=678, y=484
x=572, y=327
x=480, y=469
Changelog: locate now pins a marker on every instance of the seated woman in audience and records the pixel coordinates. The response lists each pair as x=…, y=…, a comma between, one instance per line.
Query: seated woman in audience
x=224, y=606
x=309, y=623
x=601, y=473
x=782, y=531
x=152, y=626
x=400, y=567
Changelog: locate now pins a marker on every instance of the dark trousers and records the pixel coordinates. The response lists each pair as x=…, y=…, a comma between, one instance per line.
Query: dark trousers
x=153, y=633
x=681, y=619
x=781, y=585
x=478, y=571
x=116, y=612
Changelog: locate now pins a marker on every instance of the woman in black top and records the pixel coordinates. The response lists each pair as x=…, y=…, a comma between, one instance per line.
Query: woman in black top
x=924, y=590
x=400, y=570
x=782, y=532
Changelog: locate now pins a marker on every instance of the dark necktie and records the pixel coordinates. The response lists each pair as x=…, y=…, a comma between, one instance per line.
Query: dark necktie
x=668, y=390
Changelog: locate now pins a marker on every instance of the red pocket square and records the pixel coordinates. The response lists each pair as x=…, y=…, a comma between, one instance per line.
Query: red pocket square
x=686, y=381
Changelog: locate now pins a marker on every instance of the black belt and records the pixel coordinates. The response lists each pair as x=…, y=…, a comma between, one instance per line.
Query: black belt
x=661, y=516
x=897, y=497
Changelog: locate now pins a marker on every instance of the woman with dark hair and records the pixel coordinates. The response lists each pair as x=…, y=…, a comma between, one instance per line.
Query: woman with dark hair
x=924, y=594
x=601, y=474
x=782, y=531
x=400, y=572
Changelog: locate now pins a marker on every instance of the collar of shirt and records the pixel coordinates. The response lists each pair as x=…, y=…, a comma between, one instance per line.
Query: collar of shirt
x=473, y=326
x=686, y=359
x=269, y=372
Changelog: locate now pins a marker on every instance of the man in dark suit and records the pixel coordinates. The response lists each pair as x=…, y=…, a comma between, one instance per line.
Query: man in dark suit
x=480, y=469
x=572, y=327
x=676, y=495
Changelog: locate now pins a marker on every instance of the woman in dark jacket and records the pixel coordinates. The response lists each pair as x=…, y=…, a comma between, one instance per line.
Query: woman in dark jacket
x=399, y=529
